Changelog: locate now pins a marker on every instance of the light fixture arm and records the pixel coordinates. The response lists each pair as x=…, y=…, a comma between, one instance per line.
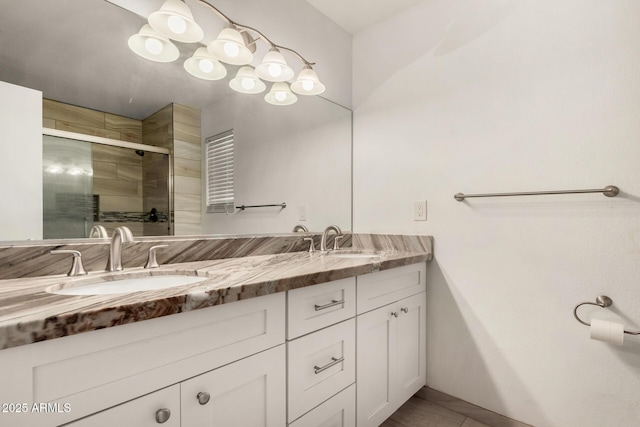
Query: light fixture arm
x=232, y=23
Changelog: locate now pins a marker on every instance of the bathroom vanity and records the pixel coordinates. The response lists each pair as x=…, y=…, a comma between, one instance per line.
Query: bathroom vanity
x=291, y=339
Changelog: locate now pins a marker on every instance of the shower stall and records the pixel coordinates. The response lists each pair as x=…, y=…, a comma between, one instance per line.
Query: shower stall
x=91, y=181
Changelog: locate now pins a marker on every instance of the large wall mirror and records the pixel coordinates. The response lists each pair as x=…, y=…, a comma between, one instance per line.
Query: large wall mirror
x=76, y=53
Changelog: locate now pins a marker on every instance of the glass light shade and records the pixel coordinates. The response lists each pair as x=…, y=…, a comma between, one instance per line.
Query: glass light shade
x=280, y=94
x=204, y=66
x=229, y=47
x=274, y=68
x=175, y=21
x=152, y=45
x=246, y=81
x=307, y=83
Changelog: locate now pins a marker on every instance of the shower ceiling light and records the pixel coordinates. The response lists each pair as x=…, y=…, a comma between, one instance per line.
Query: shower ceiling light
x=175, y=21
x=234, y=45
x=280, y=94
x=204, y=66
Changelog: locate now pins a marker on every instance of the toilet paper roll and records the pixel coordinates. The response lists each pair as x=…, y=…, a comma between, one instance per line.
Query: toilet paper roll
x=609, y=332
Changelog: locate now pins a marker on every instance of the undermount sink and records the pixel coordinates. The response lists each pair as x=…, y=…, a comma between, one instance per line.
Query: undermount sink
x=114, y=285
x=354, y=254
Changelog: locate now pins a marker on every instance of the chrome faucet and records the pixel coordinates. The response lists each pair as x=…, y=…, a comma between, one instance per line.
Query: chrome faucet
x=325, y=233
x=98, y=231
x=301, y=228
x=120, y=235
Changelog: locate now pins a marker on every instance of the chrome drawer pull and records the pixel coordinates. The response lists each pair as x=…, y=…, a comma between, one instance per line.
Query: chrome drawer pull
x=333, y=362
x=405, y=310
x=333, y=303
x=163, y=415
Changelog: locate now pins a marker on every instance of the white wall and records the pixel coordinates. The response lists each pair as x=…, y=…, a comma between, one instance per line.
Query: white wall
x=20, y=163
x=512, y=95
x=298, y=154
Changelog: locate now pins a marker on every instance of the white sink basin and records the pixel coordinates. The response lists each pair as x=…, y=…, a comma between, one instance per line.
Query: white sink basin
x=127, y=285
x=355, y=254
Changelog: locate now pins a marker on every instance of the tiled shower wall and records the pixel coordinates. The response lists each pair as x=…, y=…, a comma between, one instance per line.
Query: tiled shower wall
x=129, y=183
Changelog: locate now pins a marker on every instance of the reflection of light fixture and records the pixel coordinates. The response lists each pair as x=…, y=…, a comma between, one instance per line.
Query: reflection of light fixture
x=175, y=21
x=54, y=169
x=152, y=45
x=229, y=47
x=274, y=68
x=204, y=66
x=280, y=94
x=234, y=45
x=307, y=83
x=246, y=81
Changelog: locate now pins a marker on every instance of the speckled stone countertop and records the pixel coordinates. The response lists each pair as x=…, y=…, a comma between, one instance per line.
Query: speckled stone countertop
x=28, y=313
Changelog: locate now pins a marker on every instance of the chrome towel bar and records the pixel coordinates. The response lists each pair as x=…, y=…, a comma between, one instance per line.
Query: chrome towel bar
x=602, y=301
x=281, y=205
x=609, y=191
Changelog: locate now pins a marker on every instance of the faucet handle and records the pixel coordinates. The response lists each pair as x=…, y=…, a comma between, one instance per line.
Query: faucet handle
x=152, y=262
x=311, y=246
x=336, y=240
x=77, y=269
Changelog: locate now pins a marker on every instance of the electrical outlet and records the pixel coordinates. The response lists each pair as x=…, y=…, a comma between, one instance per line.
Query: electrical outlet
x=302, y=213
x=420, y=210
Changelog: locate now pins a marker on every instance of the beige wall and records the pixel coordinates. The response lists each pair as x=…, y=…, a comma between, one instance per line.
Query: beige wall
x=71, y=118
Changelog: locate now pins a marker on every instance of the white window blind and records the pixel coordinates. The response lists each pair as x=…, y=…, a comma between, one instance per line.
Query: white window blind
x=219, y=150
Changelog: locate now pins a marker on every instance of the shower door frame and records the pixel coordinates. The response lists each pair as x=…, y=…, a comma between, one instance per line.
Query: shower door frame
x=122, y=144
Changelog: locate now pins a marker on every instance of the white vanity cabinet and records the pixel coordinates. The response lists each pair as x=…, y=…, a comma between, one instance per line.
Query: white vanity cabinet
x=250, y=392
x=111, y=369
x=321, y=353
x=391, y=364
x=354, y=352
x=160, y=407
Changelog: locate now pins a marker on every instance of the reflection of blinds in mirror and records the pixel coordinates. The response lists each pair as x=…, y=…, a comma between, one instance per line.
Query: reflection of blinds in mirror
x=219, y=149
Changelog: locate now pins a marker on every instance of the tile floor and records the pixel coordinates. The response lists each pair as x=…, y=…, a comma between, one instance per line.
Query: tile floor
x=431, y=408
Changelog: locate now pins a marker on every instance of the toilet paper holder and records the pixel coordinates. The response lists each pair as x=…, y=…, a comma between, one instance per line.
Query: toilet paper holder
x=601, y=301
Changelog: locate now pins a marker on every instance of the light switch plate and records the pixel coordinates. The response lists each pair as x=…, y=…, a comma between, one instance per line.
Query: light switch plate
x=302, y=213
x=420, y=210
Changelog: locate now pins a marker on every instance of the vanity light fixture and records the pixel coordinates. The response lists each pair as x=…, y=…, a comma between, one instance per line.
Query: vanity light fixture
x=230, y=47
x=152, y=45
x=307, y=83
x=205, y=66
x=246, y=81
x=280, y=94
x=234, y=45
x=274, y=68
x=175, y=20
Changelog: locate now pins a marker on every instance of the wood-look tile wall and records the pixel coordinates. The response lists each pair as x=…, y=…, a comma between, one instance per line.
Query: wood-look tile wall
x=176, y=127
x=187, y=171
x=57, y=115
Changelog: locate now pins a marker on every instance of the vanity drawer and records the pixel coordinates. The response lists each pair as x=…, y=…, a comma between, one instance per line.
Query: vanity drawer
x=316, y=307
x=384, y=287
x=320, y=365
x=339, y=411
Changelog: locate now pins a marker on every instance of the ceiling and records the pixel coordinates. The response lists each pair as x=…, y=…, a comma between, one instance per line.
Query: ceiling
x=355, y=15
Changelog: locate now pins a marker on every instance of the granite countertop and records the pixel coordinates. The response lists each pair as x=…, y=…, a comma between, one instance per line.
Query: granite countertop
x=28, y=313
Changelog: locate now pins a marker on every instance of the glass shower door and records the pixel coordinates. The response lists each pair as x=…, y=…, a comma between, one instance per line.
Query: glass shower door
x=68, y=204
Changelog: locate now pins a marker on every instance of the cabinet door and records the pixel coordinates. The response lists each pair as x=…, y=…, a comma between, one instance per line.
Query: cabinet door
x=249, y=392
x=149, y=410
x=411, y=347
x=339, y=411
x=376, y=356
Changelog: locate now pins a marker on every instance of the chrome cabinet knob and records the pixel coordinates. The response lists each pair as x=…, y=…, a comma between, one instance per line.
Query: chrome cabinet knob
x=405, y=309
x=203, y=397
x=163, y=415
x=394, y=313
